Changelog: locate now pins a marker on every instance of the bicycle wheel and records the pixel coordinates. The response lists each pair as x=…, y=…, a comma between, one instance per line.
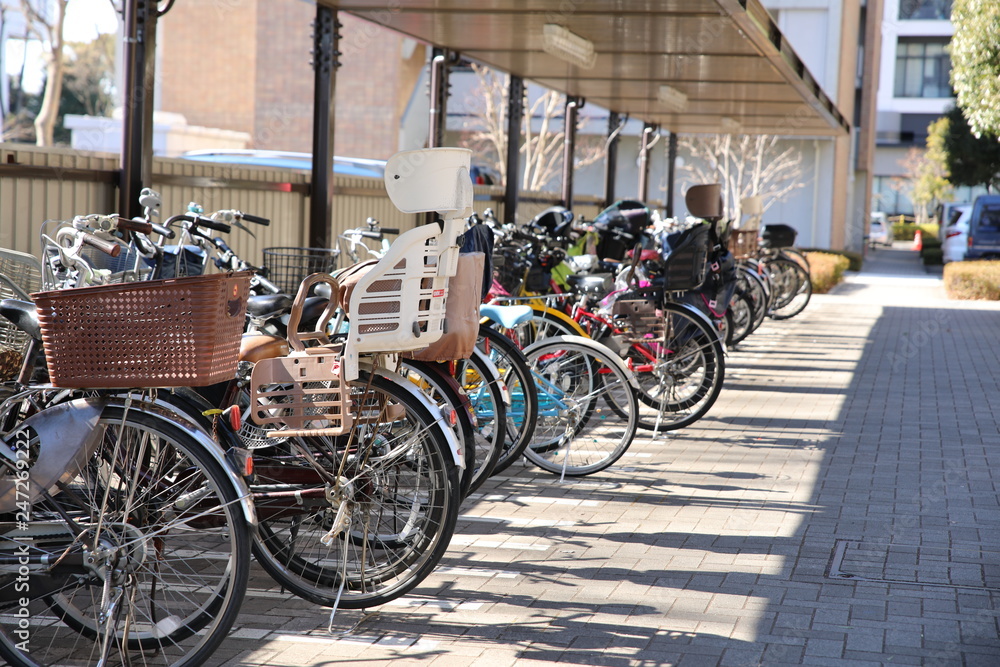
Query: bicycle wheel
x=792, y=288
x=480, y=380
x=521, y=415
x=756, y=290
x=372, y=511
x=582, y=387
x=680, y=372
x=165, y=582
x=796, y=256
x=444, y=390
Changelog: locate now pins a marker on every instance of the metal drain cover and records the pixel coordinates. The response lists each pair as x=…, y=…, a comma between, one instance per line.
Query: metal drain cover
x=952, y=567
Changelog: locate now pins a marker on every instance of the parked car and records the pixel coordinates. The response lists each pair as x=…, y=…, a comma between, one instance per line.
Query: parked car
x=944, y=215
x=984, y=228
x=956, y=234
x=345, y=166
x=879, y=230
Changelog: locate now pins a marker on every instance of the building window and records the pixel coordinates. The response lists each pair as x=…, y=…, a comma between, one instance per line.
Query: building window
x=925, y=9
x=922, y=68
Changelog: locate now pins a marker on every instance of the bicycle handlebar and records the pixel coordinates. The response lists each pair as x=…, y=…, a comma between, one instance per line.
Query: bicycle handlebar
x=140, y=226
x=201, y=221
x=391, y=230
x=163, y=231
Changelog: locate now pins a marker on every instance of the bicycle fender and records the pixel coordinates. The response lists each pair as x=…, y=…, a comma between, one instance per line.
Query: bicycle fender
x=605, y=352
x=67, y=438
x=449, y=434
x=173, y=416
x=485, y=360
x=696, y=312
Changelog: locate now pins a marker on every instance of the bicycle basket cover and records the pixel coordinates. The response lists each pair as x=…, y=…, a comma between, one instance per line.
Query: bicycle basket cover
x=619, y=227
x=684, y=256
x=779, y=236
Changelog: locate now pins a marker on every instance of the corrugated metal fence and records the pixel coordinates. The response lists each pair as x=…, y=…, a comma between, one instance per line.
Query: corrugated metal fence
x=55, y=184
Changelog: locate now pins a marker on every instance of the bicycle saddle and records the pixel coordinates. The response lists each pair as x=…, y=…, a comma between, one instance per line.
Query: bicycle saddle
x=268, y=305
x=23, y=315
x=506, y=316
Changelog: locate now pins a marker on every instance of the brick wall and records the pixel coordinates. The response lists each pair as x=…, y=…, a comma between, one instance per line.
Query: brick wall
x=244, y=65
x=205, y=50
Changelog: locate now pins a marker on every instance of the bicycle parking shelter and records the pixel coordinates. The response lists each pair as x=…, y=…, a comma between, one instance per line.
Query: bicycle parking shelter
x=686, y=66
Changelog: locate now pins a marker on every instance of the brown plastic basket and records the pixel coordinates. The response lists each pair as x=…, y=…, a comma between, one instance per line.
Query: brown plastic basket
x=183, y=332
x=743, y=243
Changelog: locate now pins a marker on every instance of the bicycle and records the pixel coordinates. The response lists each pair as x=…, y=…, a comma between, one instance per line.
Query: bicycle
x=125, y=529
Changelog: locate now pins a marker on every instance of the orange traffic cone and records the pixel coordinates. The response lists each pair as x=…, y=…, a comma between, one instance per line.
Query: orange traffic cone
x=918, y=240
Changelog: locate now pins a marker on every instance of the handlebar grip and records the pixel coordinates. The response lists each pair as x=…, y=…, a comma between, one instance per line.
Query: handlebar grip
x=202, y=221
x=165, y=232
x=256, y=219
x=391, y=230
x=140, y=226
x=107, y=247
x=371, y=235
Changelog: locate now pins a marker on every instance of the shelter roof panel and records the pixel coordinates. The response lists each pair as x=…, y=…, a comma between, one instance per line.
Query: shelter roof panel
x=727, y=56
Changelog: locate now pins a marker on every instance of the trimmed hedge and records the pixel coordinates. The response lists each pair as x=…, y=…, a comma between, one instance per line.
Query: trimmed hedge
x=854, y=258
x=930, y=251
x=826, y=270
x=973, y=280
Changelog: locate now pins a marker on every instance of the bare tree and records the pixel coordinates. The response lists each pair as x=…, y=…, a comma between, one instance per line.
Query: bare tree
x=542, y=149
x=745, y=165
x=44, y=21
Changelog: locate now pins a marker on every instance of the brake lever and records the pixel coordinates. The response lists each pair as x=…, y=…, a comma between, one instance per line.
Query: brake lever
x=237, y=223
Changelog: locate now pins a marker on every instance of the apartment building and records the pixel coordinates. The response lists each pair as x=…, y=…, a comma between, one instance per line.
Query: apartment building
x=914, y=91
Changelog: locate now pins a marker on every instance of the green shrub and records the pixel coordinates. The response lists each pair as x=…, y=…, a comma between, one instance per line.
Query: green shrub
x=826, y=270
x=854, y=258
x=905, y=231
x=973, y=280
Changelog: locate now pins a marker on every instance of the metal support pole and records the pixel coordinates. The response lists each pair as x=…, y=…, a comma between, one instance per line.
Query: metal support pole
x=137, y=119
x=573, y=104
x=439, y=97
x=644, y=144
x=515, y=114
x=671, y=175
x=438, y=111
x=325, y=64
x=611, y=157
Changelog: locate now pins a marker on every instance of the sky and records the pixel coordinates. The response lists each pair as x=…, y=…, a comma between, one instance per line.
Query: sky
x=85, y=19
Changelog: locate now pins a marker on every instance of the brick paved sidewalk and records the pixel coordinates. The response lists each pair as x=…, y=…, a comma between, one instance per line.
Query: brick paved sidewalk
x=838, y=507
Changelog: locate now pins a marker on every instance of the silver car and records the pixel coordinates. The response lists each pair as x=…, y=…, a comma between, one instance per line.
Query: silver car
x=879, y=231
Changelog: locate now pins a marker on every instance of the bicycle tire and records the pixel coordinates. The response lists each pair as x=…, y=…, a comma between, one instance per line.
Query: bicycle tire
x=683, y=381
x=575, y=435
x=407, y=485
x=740, y=316
x=184, y=598
x=793, y=288
x=521, y=416
x=481, y=383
